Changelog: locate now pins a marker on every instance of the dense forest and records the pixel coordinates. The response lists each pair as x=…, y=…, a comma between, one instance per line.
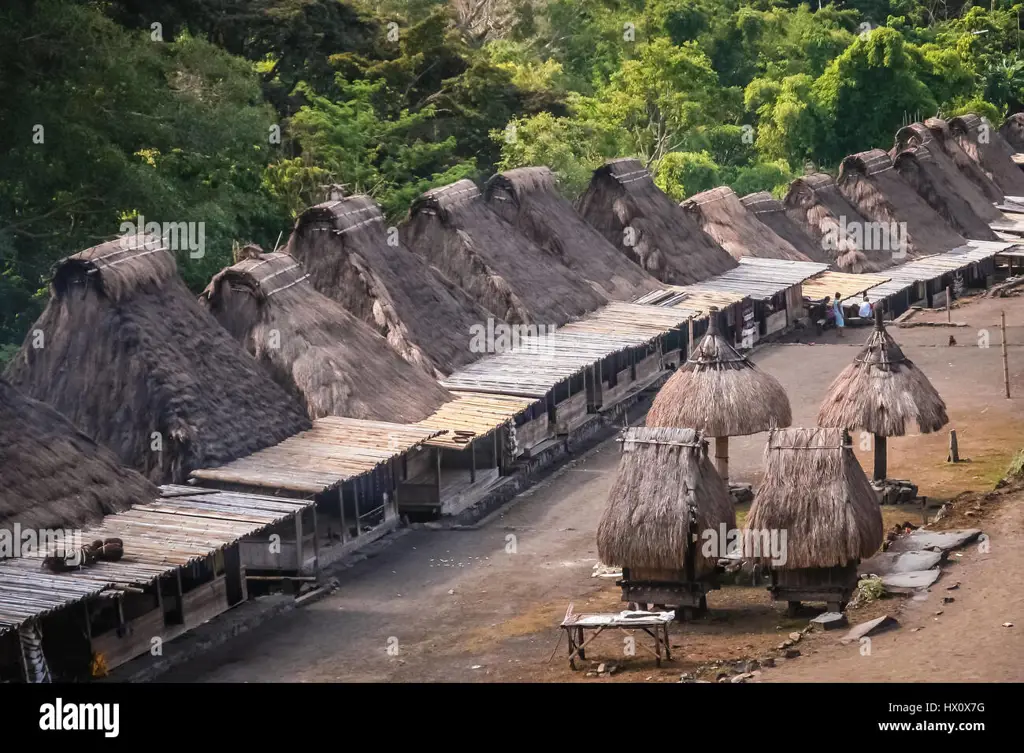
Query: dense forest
x=238, y=113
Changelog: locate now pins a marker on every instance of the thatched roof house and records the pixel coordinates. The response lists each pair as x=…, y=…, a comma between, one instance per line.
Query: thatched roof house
x=770, y=211
x=984, y=145
x=54, y=476
x=666, y=488
x=354, y=259
x=528, y=199
x=334, y=363
x=722, y=216
x=869, y=182
x=968, y=166
x=815, y=490
x=638, y=218
x=1012, y=131
x=501, y=269
x=131, y=358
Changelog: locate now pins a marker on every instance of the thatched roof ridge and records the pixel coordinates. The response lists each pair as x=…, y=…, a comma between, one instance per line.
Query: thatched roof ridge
x=982, y=142
x=528, y=198
x=882, y=392
x=721, y=215
x=122, y=266
x=314, y=348
x=771, y=212
x=967, y=165
x=55, y=476
x=720, y=392
x=1012, y=131
x=624, y=205
x=816, y=491
x=501, y=269
x=666, y=487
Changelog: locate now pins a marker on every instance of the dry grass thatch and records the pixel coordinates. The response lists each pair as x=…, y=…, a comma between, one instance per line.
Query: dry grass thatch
x=882, y=392
x=1012, y=131
x=770, y=211
x=721, y=215
x=354, y=259
x=127, y=352
x=638, y=218
x=720, y=392
x=968, y=166
x=984, y=145
x=504, y=271
x=665, y=484
x=815, y=490
x=870, y=182
x=54, y=476
x=528, y=199
x=316, y=349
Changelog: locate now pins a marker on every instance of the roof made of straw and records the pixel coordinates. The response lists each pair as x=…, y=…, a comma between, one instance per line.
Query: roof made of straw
x=528, y=198
x=503, y=270
x=982, y=142
x=967, y=165
x=882, y=392
x=665, y=490
x=354, y=259
x=638, y=218
x=720, y=392
x=721, y=215
x=771, y=212
x=316, y=349
x=1012, y=131
x=815, y=490
x=54, y=476
x=132, y=359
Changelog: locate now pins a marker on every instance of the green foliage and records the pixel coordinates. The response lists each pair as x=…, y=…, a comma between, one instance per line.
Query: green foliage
x=683, y=174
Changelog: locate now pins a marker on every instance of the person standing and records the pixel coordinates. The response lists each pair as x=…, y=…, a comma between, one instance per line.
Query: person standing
x=837, y=311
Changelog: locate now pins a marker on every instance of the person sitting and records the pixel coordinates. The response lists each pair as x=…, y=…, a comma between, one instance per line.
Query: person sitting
x=865, y=308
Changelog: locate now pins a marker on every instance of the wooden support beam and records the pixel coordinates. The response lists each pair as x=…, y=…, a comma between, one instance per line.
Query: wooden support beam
x=298, y=540
x=881, y=459
x=316, y=543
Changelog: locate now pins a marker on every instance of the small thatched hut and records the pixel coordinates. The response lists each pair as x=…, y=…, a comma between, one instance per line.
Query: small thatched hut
x=528, y=199
x=815, y=490
x=354, y=259
x=722, y=394
x=314, y=348
x=869, y=182
x=638, y=218
x=665, y=495
x=968, y=166
x=984, y=145
x=54, y=476
x=126, y=353
x=884, y=393
x=1012, y=131
x=501, y=269
x=770, y=211
x=722, y=216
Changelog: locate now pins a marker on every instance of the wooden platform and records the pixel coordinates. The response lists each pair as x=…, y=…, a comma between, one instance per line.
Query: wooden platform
x=654, y=624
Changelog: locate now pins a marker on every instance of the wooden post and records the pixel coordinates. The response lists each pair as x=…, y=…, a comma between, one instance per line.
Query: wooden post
x=689, y=342
x=341, y=509
x=949, y=303
x=472, y=463
x=722, y=458
x=357, y=484
x=298, y=541
x=1006, y=364
x=437, y=456
x=316, y=544
x=954, y=449
x=880, y=458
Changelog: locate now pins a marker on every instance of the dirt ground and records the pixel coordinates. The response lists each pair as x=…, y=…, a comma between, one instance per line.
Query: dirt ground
x=483, y=605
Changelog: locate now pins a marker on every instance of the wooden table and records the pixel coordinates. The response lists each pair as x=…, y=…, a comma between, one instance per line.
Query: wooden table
x=655, y=624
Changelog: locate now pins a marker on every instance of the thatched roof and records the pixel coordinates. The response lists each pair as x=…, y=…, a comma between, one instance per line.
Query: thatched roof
x=770, y=211
x=528, y=199
x=314, y=348
x=815, y=490
x=918, y=167
x=638, y=218
x=665, y=483
x=1012, y=131
x=815, y=204
x=984, y=145
x=54, y=476
x=354, y=259
x=721, y=215
x=869, y=182
x=503, y=270
x=882, y=392
x=129, y=352
x=968, y=166
x=720, y=392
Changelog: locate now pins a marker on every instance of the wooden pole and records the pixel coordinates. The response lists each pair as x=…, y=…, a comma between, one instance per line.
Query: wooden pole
x=880, y=458
x=689, y=343
x=954, y=448
x=722, y=458
x=949, y=303
x=1006, y=364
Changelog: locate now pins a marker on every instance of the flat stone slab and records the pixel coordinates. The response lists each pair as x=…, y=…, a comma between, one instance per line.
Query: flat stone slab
x=910, y=582
x=830, y=620
x=920, y=540
x=888, y=563
x=871, y=627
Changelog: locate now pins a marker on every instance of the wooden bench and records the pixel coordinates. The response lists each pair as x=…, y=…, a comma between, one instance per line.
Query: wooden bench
x=655, y=624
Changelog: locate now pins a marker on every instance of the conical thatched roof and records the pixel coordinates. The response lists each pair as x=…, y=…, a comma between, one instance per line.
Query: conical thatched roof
x=313, y=347
x=1012, y=131
x=869, y=182
x=638, y=218
x=720, y=392
x=882, y=392
x=354, y=259
x=770, y=211
x=815, y=490
x=501, y=269
x=528, y=199
x=54, y=476
x=982, y=142
x=721, y=215
x=665, y=476
x=129, y=352
x=968, y=166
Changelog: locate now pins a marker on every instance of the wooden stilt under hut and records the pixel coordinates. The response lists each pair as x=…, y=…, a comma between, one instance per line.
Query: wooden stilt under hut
x=665, y=495
x=815, y=492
